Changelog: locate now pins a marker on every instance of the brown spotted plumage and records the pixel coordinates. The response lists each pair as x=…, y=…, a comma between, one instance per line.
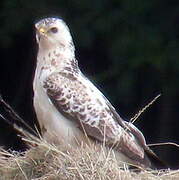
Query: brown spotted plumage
x=67, y=103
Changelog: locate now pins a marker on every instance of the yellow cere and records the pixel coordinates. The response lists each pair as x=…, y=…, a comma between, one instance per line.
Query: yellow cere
x=42, y=30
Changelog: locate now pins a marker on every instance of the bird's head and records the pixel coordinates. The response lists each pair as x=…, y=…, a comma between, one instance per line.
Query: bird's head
x=52, y=32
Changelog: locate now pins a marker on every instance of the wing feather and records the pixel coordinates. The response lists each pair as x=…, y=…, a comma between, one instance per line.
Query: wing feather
x=79, y=100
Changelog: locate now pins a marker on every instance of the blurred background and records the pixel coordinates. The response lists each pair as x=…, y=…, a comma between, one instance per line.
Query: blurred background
x=129, y=49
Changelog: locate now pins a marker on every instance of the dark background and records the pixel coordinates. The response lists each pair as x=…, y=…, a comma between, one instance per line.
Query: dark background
x=130, y=50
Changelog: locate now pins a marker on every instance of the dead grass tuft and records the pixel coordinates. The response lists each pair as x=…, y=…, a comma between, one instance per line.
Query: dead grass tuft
x=49, y=162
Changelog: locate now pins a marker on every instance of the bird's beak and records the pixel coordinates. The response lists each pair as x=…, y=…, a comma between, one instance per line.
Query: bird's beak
x=42, y=30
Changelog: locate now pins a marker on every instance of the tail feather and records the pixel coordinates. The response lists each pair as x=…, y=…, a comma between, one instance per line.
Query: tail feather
x=156, y=162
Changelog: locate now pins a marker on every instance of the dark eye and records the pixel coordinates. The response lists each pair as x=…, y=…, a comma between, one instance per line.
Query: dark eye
x=54, y=30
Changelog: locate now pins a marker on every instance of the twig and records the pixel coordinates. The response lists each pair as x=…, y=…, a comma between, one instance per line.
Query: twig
x=21, y=169
x=13, y=114
x=133, y=119
x=161, y=144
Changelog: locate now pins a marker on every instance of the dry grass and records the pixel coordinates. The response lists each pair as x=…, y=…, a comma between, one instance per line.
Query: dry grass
x=48, y=162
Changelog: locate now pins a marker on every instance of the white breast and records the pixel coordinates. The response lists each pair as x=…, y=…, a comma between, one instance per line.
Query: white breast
x=57, y=127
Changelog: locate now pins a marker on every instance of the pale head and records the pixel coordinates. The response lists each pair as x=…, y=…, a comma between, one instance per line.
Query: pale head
x=52, y=32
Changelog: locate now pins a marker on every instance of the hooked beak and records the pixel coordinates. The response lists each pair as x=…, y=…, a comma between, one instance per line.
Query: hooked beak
x=40, y=32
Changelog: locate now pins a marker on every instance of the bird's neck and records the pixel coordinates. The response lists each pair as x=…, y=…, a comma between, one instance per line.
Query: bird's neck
x=56, y=60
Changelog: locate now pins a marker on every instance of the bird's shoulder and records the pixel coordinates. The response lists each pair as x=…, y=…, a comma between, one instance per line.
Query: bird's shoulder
x=78, y=97
x=62, y=82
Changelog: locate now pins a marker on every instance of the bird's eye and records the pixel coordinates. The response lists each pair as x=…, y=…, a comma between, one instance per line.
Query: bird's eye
x=54, y=30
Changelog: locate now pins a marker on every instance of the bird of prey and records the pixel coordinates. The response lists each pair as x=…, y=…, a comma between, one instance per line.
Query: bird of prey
x=69, y=107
